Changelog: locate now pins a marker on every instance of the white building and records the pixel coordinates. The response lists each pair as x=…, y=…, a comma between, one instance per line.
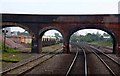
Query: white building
x=8, y=29
x=14, y=33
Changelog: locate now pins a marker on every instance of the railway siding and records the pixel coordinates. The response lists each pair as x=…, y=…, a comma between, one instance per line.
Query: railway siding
x=29, y=66
x=111, y=64
x=57, y=65
x=25, y=66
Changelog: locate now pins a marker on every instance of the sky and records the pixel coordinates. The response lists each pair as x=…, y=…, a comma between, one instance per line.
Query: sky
x=80, y=32
x=59, y=7
x=51, y=32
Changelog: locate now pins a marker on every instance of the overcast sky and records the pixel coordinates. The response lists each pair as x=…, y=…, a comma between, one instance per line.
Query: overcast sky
x=59, y=7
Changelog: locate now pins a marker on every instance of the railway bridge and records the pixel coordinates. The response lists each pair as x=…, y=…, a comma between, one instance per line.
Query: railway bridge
x=37, y=25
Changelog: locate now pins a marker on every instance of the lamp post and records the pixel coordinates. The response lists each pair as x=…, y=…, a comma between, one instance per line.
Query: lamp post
x=4, y=33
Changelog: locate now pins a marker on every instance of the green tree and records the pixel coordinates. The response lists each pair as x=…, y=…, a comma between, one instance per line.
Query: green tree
x=89, y=37
x=57, y=35
x=75, y=37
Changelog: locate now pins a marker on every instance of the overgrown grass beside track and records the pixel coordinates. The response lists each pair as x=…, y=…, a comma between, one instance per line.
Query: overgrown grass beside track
x=10, y=58
x=6, y=49
x=16, y=55
x=103, y=43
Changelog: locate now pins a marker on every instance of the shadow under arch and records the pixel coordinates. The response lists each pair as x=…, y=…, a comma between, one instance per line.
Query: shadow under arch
x=110, y=32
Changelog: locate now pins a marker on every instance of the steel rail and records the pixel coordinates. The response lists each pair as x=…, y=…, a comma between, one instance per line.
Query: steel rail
x=85, y=58
x=85, y=62
x=106, y=55
x=110, y=70
x=72, y=64
x=22, y=73
x=7, y=70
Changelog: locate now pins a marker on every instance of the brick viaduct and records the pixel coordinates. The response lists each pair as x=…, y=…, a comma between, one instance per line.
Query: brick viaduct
x=37, y=25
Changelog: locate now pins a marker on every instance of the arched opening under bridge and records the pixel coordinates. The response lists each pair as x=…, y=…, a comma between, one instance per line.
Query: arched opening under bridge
x=102, y=39
x=16, y=38
x=50, y=39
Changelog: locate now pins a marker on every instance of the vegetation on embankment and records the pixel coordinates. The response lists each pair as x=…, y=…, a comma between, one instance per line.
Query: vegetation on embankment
x=12, y=56
x=103, y=43
x=6, y=49
x=9, y=55
x=98, y=39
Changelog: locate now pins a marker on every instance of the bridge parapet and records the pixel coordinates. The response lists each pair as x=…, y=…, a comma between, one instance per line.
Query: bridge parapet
x=88, y=19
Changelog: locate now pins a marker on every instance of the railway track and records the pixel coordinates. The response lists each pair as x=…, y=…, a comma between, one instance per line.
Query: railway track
x=26, y=66
x=112, y=64
x=72, y=64
x=103, y=62
x=103, y=48
x=108, y=61
x=75, y=60
x=106, y=55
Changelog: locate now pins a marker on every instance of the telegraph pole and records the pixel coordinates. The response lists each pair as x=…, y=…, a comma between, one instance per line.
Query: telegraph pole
x=4, y=33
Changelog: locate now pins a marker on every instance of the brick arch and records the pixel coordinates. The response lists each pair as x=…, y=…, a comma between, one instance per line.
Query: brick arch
x=41, y=33
x=13, y=24
x=43, y=30
x=103, y=28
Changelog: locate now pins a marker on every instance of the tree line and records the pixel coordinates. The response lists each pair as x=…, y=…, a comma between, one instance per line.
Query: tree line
x=90, y=37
